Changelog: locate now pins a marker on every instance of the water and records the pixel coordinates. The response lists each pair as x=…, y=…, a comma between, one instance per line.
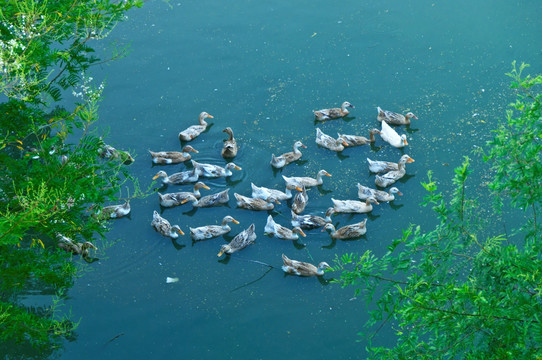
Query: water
x=260, y=67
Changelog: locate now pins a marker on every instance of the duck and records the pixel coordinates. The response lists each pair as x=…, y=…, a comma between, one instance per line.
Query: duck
x=212, y=231
x=216, y=199
x=255, y=204
x=365, y=192
x=329, y=142
x=214, y=171
x=347, y=232
x=333, y=113
x=177, y=198
x=391, y=137
x=164, y=227
x=109, y=152
x=195, y=130
x=301, y=268
x=307, y=181
x=179, y=178
x=76, y=248
x=390, y=178
x=394, y=118
x=311, y=221
x=239, y=242
x=172, y=157
x=286, y=158
x=230, y=148
x=300, y=201
x=355, y=140
x=265, y=193
x=282, y=232
x=115, y=211
x=354, y=206
x=377, y=166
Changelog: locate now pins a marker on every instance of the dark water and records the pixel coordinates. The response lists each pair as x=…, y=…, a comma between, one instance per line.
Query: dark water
x=260, y=67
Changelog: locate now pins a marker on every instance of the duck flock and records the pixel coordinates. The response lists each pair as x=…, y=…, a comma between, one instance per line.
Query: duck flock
x=295, y=188
x=262, y=198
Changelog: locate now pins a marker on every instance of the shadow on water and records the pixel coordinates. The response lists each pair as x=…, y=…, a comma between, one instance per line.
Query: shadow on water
x=323, y=191
x=395, y=206
x=176, y=245
x=331, y=245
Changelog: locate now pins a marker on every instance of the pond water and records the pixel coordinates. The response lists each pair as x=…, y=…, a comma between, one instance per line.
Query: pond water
x=261, y=67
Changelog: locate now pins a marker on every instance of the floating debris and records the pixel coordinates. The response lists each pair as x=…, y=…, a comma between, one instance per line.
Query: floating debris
x=171, y=280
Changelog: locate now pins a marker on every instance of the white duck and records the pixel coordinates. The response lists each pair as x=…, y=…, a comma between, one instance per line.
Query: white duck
x=178, y=198
x=266, y=193
x=329, y=142
x=179, y=178
x=365, y=192
x=377, y=166
x=286, y=158
x=164, y=227
x=390, y=136
x=307, y=181
x=390, y=177
x=282, y=232
x=311, y=221
x=213, y=171
x=354, y=206
x=193, y=131
x=300, y=201
x=212, y=231
x=394, y=118
x=347, y=232
x=356, y=140
x=333, y=113
x=301, y=268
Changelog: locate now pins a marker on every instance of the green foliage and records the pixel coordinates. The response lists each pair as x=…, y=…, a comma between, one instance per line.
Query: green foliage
x=461, y=290
x=52, y=179
x=515, y=153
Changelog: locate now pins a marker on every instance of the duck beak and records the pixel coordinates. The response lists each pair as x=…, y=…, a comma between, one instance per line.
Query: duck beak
x=206, y=187
x=180, y=232
x=410, y=160
x=184, y=201
x=327, y=174
x=237, y=168
x=303, y=146
x=155, y=177
x=194, y=151
x=210, y=116
x=345, y=143
x=220, y=253
x=405, y=142
x=399, y=193
x=302, y=233
x=235, y=221
x=298, y=188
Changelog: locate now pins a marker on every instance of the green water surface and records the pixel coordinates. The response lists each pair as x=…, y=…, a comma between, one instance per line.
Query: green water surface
x=261, y=67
